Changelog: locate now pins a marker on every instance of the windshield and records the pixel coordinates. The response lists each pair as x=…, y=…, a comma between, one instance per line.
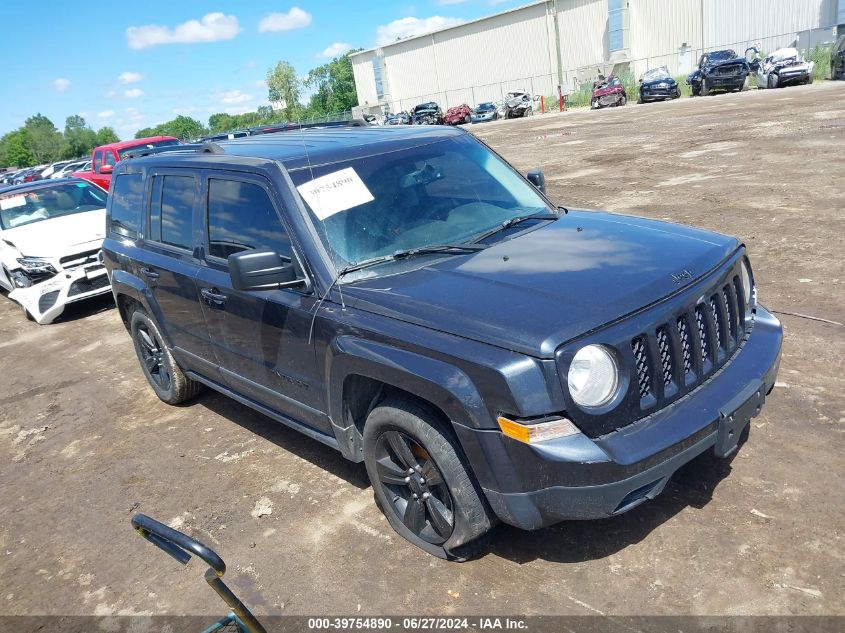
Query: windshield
x=720, y=56
x=165, y=143
x=655, y=74
x=21, y=207
x=483, y=107
x=446, y=192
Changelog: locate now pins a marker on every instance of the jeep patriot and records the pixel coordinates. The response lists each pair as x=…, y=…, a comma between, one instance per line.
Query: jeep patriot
x=404, y=296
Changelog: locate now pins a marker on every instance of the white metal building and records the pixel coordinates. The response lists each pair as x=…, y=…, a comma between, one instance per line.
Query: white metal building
x=548, y=43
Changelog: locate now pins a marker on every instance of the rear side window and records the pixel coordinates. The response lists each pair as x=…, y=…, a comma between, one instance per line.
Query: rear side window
x=171, y=210
x=126, y=201
x=98, y=161
x=241, y=217
x=110, y=159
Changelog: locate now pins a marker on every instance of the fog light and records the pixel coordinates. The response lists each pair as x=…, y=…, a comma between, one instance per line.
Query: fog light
x=533, y=432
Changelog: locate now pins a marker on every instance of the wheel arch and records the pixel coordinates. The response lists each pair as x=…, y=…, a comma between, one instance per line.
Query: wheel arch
x=361, y=373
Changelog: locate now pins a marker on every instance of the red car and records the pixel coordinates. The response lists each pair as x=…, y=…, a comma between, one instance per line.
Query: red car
x=608, y=92
x=105, y=157
x=458, y=114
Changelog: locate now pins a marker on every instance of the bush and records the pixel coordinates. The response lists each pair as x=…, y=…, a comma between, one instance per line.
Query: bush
x=821, y=56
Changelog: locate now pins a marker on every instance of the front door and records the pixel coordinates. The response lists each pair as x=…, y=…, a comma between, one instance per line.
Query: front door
x=261, y=338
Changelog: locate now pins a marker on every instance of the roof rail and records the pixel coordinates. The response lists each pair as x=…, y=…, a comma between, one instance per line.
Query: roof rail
x=207, y=147
x=272, y=128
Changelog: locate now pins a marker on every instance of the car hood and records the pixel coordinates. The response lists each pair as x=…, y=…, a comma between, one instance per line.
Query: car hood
x=664, y=80
x=58, y=236
x=544, y=287
x=727, y=62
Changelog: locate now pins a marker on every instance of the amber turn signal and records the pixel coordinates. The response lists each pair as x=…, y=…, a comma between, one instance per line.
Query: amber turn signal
x=531, y=433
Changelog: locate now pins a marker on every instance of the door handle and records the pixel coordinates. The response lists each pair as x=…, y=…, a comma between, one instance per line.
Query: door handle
x=149, y=273
x=213, y=297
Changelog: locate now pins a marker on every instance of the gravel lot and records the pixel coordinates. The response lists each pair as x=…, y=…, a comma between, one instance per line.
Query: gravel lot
x=84, y=442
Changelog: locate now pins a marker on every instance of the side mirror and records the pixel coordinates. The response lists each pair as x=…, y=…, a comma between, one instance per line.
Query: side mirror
x=536, y=178
x=106, y=169
x=261, y=270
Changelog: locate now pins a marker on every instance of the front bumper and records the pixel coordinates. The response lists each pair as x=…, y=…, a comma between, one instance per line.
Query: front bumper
x=46, y=300
x=649, y=94
x=531, y=486
x=726, y=81
x=794, y=74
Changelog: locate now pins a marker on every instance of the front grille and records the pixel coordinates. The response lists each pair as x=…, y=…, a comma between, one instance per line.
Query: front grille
x=81, y=286
x=728, y=71
x=79, y=259
x=682, y=352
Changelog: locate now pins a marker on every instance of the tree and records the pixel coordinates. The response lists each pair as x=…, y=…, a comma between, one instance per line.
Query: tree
x=334, y=87
x=79, y=139
x=284, y=86
x=14, y=151
x=106, y=135
x=42, y=139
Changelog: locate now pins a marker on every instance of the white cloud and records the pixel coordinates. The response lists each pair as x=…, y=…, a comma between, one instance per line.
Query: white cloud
x=335, y=49
x=407, y=27
x=105, y=114
x=133, y=93
x=234, y=96
x=129, y=77
x=296, y=18
x=61, y=84
x=211, y=28
x=239, y=110
x=134, y=115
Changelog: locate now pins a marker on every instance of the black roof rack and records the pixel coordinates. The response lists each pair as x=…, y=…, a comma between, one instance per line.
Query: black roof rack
x=207, y=147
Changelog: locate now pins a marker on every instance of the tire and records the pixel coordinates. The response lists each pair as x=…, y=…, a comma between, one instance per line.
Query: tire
x=705, y=89
x=745, y=83
x=157, y=362
x=639, y=97
x=595, y=104
x=529, y=112
x=809, y=79
x=772, y=81
x=622, y=101
x=677, y=94
x=467, y=119
x=406, y=449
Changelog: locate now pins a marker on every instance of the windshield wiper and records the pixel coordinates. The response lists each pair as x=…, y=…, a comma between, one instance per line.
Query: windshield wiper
x=446, y=249
x=504, y=226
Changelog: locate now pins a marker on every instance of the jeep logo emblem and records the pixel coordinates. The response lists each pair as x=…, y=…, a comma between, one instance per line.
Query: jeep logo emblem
x=686, y=273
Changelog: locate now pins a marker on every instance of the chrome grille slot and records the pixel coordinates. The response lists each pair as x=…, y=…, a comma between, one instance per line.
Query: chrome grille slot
x=686, y=344
x=665, y=349
x=640, y=349
x=702, y=332
x=79, y=259
x=717, y=322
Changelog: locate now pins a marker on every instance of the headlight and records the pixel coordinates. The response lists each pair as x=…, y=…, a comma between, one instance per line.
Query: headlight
x=593, y=376
x=36, y=265
x=747, y=285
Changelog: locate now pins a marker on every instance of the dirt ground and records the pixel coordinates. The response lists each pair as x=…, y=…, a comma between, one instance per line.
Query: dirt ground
x=84, y=442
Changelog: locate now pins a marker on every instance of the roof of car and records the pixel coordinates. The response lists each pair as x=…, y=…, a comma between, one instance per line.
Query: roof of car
x=135, y=142
x=40, y=184
x=298, y=149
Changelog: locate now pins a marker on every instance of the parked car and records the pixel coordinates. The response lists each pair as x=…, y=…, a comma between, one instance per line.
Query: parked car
x=458, y=114
x=608, y=92
x=518, y=104
x=719, y=70
x=657, y=85
x=68, y=169
x=401, y=118
x=409, y=299
x=105, y=157
x=487, y=111
x=30, y=175
x=837, y=59
x=49, y=170
x=784, y=67
x=51, y=233
x=428, y=113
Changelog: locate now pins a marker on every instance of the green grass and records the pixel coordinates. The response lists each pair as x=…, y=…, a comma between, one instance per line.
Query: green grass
x=821, y=56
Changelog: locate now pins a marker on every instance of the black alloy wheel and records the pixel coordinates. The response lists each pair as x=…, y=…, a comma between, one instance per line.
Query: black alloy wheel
x=414, y=487
x=151, y=352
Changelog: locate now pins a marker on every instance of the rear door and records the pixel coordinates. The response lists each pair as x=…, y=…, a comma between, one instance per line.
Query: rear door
x=168, y=265
x=261, y=338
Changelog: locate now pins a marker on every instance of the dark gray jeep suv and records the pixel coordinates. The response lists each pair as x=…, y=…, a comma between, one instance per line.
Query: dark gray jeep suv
x=406, y=297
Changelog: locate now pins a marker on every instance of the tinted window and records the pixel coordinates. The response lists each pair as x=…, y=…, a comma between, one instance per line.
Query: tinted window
x=177, y=208
x=154, y=231
x=98, y=161
x=110, y=160
x=125, y=202
x=242, y=217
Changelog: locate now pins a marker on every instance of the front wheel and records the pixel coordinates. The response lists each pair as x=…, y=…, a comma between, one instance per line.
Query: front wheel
x=421, y=481
x=623, y=100
x=157, y=363
x=705, y=89
x=772, y=82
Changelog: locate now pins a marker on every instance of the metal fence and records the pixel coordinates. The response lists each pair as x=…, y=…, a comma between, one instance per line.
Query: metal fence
x=575, y=80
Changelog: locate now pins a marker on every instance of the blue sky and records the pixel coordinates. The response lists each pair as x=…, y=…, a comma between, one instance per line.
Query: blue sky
x=132, y=65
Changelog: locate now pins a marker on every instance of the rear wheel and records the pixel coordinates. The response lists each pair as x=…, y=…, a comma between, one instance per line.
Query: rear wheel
x=421, y=482
x=160, y=368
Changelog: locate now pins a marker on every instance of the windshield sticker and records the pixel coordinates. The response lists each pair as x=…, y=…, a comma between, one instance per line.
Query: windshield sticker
x=13, y=202
x=335, y=192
